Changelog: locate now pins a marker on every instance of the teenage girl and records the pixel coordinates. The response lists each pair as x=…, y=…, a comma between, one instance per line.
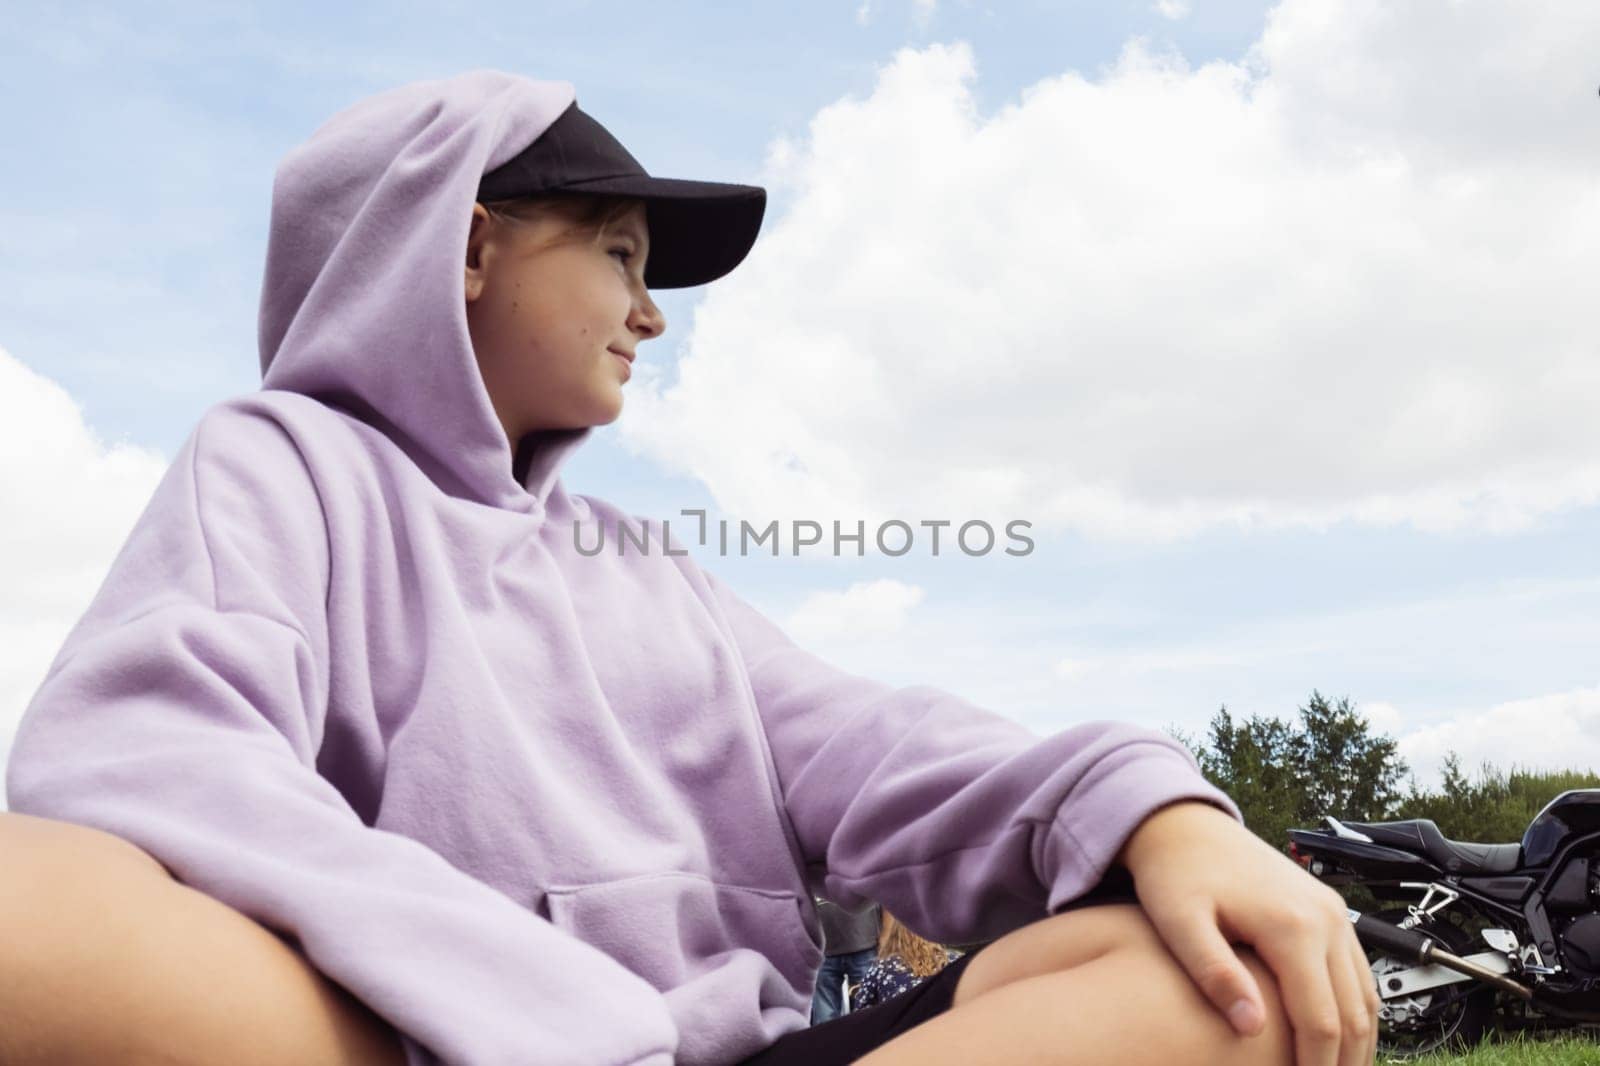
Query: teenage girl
x=354, y=758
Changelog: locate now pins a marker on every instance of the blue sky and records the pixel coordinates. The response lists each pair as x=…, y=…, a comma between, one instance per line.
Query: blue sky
x=153, y=130
x=1401, y=508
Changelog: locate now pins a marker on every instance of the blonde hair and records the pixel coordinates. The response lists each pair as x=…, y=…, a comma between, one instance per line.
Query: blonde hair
x=584, y=215
x=922, y=957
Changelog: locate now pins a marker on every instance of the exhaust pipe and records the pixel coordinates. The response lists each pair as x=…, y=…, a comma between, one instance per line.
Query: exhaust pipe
x=1412, y=946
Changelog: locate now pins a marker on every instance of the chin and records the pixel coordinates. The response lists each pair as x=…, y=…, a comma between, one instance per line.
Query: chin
x=606, y=415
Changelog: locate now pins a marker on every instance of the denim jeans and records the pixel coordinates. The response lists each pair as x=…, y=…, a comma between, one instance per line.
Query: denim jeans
x=828, y=1001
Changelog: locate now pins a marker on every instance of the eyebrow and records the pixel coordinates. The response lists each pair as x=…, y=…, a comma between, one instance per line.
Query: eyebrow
x=639, y=231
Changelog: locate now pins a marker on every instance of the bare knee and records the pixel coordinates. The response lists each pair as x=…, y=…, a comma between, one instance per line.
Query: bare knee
x=50, y=872
x=1201, y=1026
x=1133, y=1004
x=48, y=846
x=1059, y=942
x=56, y=878
x=105, y=957
x=1118, y=943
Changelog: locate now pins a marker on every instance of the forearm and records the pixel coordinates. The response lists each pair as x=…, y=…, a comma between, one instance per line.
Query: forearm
x=1146, y=839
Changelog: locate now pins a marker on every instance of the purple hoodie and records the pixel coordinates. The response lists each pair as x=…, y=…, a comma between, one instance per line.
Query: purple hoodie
x=351, y=676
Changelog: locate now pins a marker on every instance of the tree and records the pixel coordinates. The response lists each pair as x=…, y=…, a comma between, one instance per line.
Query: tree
x=1285, y=775
x=1497, y=807
x=1350, y=773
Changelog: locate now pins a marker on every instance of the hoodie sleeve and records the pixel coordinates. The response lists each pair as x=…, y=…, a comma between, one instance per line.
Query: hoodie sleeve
x=962, y=823
x=184, y=713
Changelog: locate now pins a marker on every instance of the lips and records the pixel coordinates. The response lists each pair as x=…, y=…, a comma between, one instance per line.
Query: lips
x=629, y=356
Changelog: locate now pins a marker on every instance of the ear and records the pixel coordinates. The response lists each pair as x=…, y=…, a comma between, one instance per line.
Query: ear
x=480, y=250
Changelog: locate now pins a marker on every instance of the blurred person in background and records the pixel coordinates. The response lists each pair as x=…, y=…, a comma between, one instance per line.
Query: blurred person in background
x=904, y=961
x=850, y=941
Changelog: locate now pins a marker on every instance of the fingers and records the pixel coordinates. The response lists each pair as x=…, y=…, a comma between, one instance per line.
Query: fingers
x=1300, y=957
x=1200, y=948
x=1369, y=993
x=1358, y=1016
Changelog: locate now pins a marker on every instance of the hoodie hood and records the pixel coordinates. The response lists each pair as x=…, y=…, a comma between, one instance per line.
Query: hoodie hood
x=362, y=303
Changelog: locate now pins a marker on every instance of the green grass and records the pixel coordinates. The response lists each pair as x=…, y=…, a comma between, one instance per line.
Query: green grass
x=1518, y=1050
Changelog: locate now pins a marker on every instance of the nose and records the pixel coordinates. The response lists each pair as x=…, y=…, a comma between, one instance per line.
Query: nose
x=646, y=318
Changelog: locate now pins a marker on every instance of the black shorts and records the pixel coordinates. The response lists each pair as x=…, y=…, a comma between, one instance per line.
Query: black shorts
x=842, y=1040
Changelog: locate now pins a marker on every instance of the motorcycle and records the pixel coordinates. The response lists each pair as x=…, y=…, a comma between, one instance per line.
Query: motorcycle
x=1505, y=934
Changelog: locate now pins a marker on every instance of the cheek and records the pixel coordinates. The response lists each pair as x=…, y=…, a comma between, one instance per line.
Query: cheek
x=523, y=322
x=494, y=323
x=555, y=328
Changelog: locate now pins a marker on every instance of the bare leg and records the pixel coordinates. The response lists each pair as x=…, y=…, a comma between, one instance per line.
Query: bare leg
x=1094, y=985
x=105, y=958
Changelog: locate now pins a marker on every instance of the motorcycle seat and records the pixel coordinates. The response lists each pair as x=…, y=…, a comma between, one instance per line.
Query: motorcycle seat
x=1455, y=856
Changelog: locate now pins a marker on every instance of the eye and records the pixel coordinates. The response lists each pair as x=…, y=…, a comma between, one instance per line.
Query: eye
x=627, y=253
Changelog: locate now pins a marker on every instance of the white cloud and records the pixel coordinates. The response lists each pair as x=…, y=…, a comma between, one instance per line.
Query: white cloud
x=865, y=609
x=1551, y=732
x=1450, y=670
x=1559, y=731
x=1382, y=717
x=76, y=498
x=1346, y=278
x=1172, y=9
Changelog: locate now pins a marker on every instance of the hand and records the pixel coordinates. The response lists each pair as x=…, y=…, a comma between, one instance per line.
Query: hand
x=1206, y=882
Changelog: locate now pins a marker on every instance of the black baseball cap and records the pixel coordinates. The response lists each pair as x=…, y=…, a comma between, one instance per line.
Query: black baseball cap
x=699, y=230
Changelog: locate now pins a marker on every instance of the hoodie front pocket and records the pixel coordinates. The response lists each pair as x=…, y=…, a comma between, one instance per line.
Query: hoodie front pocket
x=674, y=929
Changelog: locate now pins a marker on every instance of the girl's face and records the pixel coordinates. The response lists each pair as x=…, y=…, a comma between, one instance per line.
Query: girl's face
x=556, y=316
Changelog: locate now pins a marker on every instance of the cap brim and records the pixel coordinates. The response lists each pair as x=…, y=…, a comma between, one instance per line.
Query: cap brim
x=699, y=230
